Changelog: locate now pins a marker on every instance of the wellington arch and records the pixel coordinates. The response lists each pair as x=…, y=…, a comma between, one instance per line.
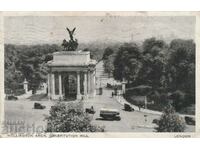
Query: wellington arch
x=71, y=75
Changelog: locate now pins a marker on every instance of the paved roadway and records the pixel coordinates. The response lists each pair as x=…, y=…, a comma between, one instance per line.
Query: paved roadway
x=130, y=121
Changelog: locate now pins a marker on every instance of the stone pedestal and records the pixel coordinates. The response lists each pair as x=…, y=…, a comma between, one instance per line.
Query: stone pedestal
x=25, y=83
x=123, y=86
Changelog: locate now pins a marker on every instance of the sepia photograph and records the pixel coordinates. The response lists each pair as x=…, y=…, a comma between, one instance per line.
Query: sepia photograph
x=107, y=73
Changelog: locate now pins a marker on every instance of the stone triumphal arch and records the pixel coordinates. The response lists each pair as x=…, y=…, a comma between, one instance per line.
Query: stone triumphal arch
x=71, y=75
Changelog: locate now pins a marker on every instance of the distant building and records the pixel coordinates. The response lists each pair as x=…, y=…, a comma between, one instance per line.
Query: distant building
x=71, y=75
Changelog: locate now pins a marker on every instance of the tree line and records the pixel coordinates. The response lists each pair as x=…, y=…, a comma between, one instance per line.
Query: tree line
x=167, y=68
x=30, y=62
x=26, y=62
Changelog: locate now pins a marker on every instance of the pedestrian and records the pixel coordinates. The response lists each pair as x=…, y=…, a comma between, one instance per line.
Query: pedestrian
x=139, y=107
x=92, y=108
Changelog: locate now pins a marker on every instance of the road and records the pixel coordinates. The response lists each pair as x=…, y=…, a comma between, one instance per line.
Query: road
x=130, y=121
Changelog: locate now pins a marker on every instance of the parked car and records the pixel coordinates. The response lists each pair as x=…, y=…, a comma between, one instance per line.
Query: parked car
x=90, y=110
x=112, y=114
x=189, y=120
x=156, y=121
x=12, y=97
x=39, y=106
x=127, y=107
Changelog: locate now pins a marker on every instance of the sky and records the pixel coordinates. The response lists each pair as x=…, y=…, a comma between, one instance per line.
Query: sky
x=29, y=30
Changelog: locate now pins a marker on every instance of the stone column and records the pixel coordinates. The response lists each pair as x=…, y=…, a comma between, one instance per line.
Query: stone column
x=60, y=85
x=78, y=86
x=53, y=84
x=89, y=82
x=49, y=87
x=93, y=83
x=85, y=84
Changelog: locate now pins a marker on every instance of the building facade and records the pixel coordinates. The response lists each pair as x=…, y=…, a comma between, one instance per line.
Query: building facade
x=71, y=75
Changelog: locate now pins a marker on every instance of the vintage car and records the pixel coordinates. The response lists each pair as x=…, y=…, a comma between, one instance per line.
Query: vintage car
x=190, y=120
x=39, y=106
x=90, y=110
x=128, y=107
x=113, y=114
x=156, y=121
x=11, y=97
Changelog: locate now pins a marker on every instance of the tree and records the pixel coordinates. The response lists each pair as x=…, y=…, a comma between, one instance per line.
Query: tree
x=72, y=44
x=153, y=63
x=28, y=62
x=48, y=57
x=127, y=63
x=178, y=100
x=181, y=66
x=170, y=121
x=180, y=71
x=13, y=77
x=32, y=66
x=108, y=51
x=70, y=118
x=153, y=46
x=108, y=58
x=13, y=81
x=108, y=64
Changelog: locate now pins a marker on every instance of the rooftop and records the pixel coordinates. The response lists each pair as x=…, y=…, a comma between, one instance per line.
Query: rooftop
x=71, y=58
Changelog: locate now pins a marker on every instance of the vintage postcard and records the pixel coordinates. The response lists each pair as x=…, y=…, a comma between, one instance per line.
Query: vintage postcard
x=99, y=74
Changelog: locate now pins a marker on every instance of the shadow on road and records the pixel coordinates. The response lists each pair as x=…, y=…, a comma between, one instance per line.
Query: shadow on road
x=109, y=119
x=127, y=110
x=38, y=97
